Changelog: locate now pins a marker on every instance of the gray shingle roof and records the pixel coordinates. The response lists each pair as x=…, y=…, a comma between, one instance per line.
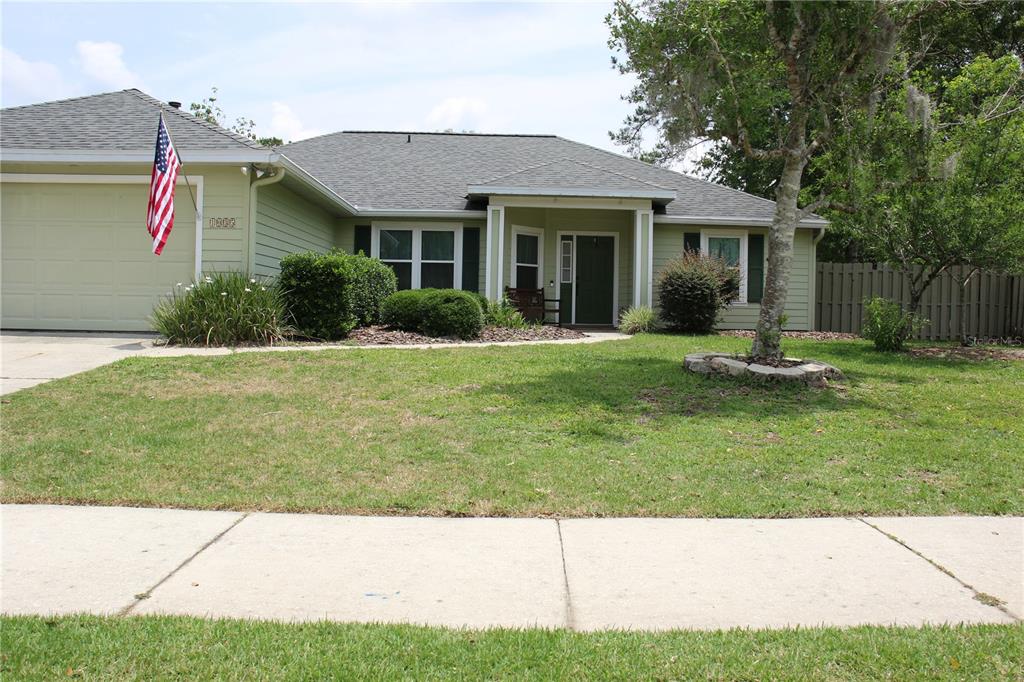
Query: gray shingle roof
x=112, y=121
x=569, y=174
x=393, y=170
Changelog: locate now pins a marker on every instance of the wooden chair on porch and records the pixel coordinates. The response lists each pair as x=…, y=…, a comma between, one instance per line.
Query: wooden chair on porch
x=532, y=304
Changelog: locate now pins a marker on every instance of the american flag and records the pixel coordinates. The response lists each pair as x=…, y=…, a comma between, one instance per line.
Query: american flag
x=160, y=213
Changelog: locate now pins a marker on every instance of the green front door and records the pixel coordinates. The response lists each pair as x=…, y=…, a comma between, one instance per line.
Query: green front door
x=595, y=279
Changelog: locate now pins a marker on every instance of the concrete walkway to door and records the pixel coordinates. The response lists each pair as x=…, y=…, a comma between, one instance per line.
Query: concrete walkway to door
x=584, y=574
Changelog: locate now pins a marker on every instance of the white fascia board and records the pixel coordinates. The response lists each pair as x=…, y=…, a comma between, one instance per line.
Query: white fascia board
x=134, y=156
x=307, y=178
x=731, y=222
x=420, y=213
x=668, y=194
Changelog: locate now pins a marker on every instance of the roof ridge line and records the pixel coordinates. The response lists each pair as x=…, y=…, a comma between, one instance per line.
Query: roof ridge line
x=621, y=175
x=524, y=169
x=68, y=99
x=184, y=115
x=666, y=170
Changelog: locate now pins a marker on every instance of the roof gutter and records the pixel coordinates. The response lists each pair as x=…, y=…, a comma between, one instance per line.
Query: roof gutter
x=485, y=190
x=420, y=213
x=135, y=156
x=731, y=221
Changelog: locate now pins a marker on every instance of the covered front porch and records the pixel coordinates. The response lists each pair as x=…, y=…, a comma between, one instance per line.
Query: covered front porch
x=590, y=256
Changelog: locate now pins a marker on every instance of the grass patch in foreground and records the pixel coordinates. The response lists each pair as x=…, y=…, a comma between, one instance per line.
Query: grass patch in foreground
x=150, y=648
x=608, y=429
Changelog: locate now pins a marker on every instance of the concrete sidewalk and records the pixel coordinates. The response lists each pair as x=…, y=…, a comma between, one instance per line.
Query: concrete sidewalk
x=583, y=574
x=31, y=358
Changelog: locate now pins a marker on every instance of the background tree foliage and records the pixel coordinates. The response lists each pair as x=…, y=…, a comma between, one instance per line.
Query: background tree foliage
x=208, y=110
x=937, y=49
x=935, y=175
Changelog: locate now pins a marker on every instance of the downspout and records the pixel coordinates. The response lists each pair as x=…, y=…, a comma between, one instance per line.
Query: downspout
x=274, y=175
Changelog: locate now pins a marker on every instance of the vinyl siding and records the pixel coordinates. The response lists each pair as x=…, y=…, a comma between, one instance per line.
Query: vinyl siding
x=287, y=223
x=668, y=244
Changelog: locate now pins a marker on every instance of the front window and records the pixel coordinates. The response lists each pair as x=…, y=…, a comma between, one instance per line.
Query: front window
x=527, y=261
x=437, y=260
x=421, y=257
x=396, y=251
x=726, y=248
x=730, y=246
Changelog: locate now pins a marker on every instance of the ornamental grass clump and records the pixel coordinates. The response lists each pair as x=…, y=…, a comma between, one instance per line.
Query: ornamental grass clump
x=223, y=309
x=503, y=314
x=637, y=320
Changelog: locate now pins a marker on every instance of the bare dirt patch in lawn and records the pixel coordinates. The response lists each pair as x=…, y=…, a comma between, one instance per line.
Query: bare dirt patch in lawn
x=968, y=353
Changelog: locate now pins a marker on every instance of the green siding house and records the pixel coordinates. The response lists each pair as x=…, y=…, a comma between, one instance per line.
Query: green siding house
x=471, y=211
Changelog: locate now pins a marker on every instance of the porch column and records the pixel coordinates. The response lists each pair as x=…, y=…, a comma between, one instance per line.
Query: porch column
x=494, y=276
x=643, y=258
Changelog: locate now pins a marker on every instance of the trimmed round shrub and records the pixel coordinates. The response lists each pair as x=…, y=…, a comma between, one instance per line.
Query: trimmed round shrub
x=694, y=289
x=434, y=312
x=223, y=309
x=450, y=312
x=330, y=294
x=404, y=309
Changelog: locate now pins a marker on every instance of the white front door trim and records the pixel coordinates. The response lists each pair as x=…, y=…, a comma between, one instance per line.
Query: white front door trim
x=615, y=268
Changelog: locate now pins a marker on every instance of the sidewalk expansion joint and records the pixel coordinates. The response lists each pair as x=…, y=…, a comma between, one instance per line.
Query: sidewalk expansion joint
x=148, y=593
x=569, y=618
x=984, y=598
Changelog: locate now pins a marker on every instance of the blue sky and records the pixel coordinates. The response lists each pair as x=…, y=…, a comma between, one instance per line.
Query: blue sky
x=300, y=70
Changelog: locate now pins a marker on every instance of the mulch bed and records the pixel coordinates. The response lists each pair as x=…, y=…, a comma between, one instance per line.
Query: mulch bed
x=386, y=336
x=809, y=336
x=968, y=353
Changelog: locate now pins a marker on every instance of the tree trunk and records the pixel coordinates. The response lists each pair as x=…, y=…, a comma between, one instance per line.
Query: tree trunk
x=768, y=339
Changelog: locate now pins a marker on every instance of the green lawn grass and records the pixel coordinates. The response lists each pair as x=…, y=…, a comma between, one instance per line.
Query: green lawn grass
x=616, y=428
x=154, y=648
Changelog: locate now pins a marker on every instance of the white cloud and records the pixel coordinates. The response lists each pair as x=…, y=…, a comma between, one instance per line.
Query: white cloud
x=286, y=125
x=458, y=113
x=25, y=81
x=104, y=62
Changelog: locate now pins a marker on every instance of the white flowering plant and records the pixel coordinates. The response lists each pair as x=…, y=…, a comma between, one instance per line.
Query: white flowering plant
x=223, y=309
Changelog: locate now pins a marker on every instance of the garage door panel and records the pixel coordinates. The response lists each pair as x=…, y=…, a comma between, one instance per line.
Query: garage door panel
x=77, y=256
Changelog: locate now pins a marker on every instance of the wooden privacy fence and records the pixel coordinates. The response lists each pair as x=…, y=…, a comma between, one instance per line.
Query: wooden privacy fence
x=995, y=303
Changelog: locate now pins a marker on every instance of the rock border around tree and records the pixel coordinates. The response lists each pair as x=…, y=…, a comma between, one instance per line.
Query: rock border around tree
x=811, y=372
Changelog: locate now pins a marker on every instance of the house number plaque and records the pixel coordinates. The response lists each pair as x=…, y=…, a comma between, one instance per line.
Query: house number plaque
x=223, y=223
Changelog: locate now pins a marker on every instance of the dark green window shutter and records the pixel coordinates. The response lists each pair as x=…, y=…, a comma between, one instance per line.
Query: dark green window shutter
x=471, y=259
x=755, y=268
x=362, y=240
x=691, y=241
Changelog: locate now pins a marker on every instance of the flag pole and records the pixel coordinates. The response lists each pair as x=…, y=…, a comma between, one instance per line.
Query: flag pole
x=188, y=183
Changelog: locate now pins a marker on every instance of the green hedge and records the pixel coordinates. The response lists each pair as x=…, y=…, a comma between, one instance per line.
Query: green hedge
x=435, y=312
x=330, y=294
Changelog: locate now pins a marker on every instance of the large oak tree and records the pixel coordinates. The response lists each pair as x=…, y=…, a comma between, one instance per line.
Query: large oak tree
x=772, y=79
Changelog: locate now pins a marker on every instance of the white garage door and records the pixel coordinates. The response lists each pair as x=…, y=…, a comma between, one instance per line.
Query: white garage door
x=78, y=257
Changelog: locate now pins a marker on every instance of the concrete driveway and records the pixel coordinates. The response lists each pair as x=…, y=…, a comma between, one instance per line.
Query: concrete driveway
x=30, y=358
